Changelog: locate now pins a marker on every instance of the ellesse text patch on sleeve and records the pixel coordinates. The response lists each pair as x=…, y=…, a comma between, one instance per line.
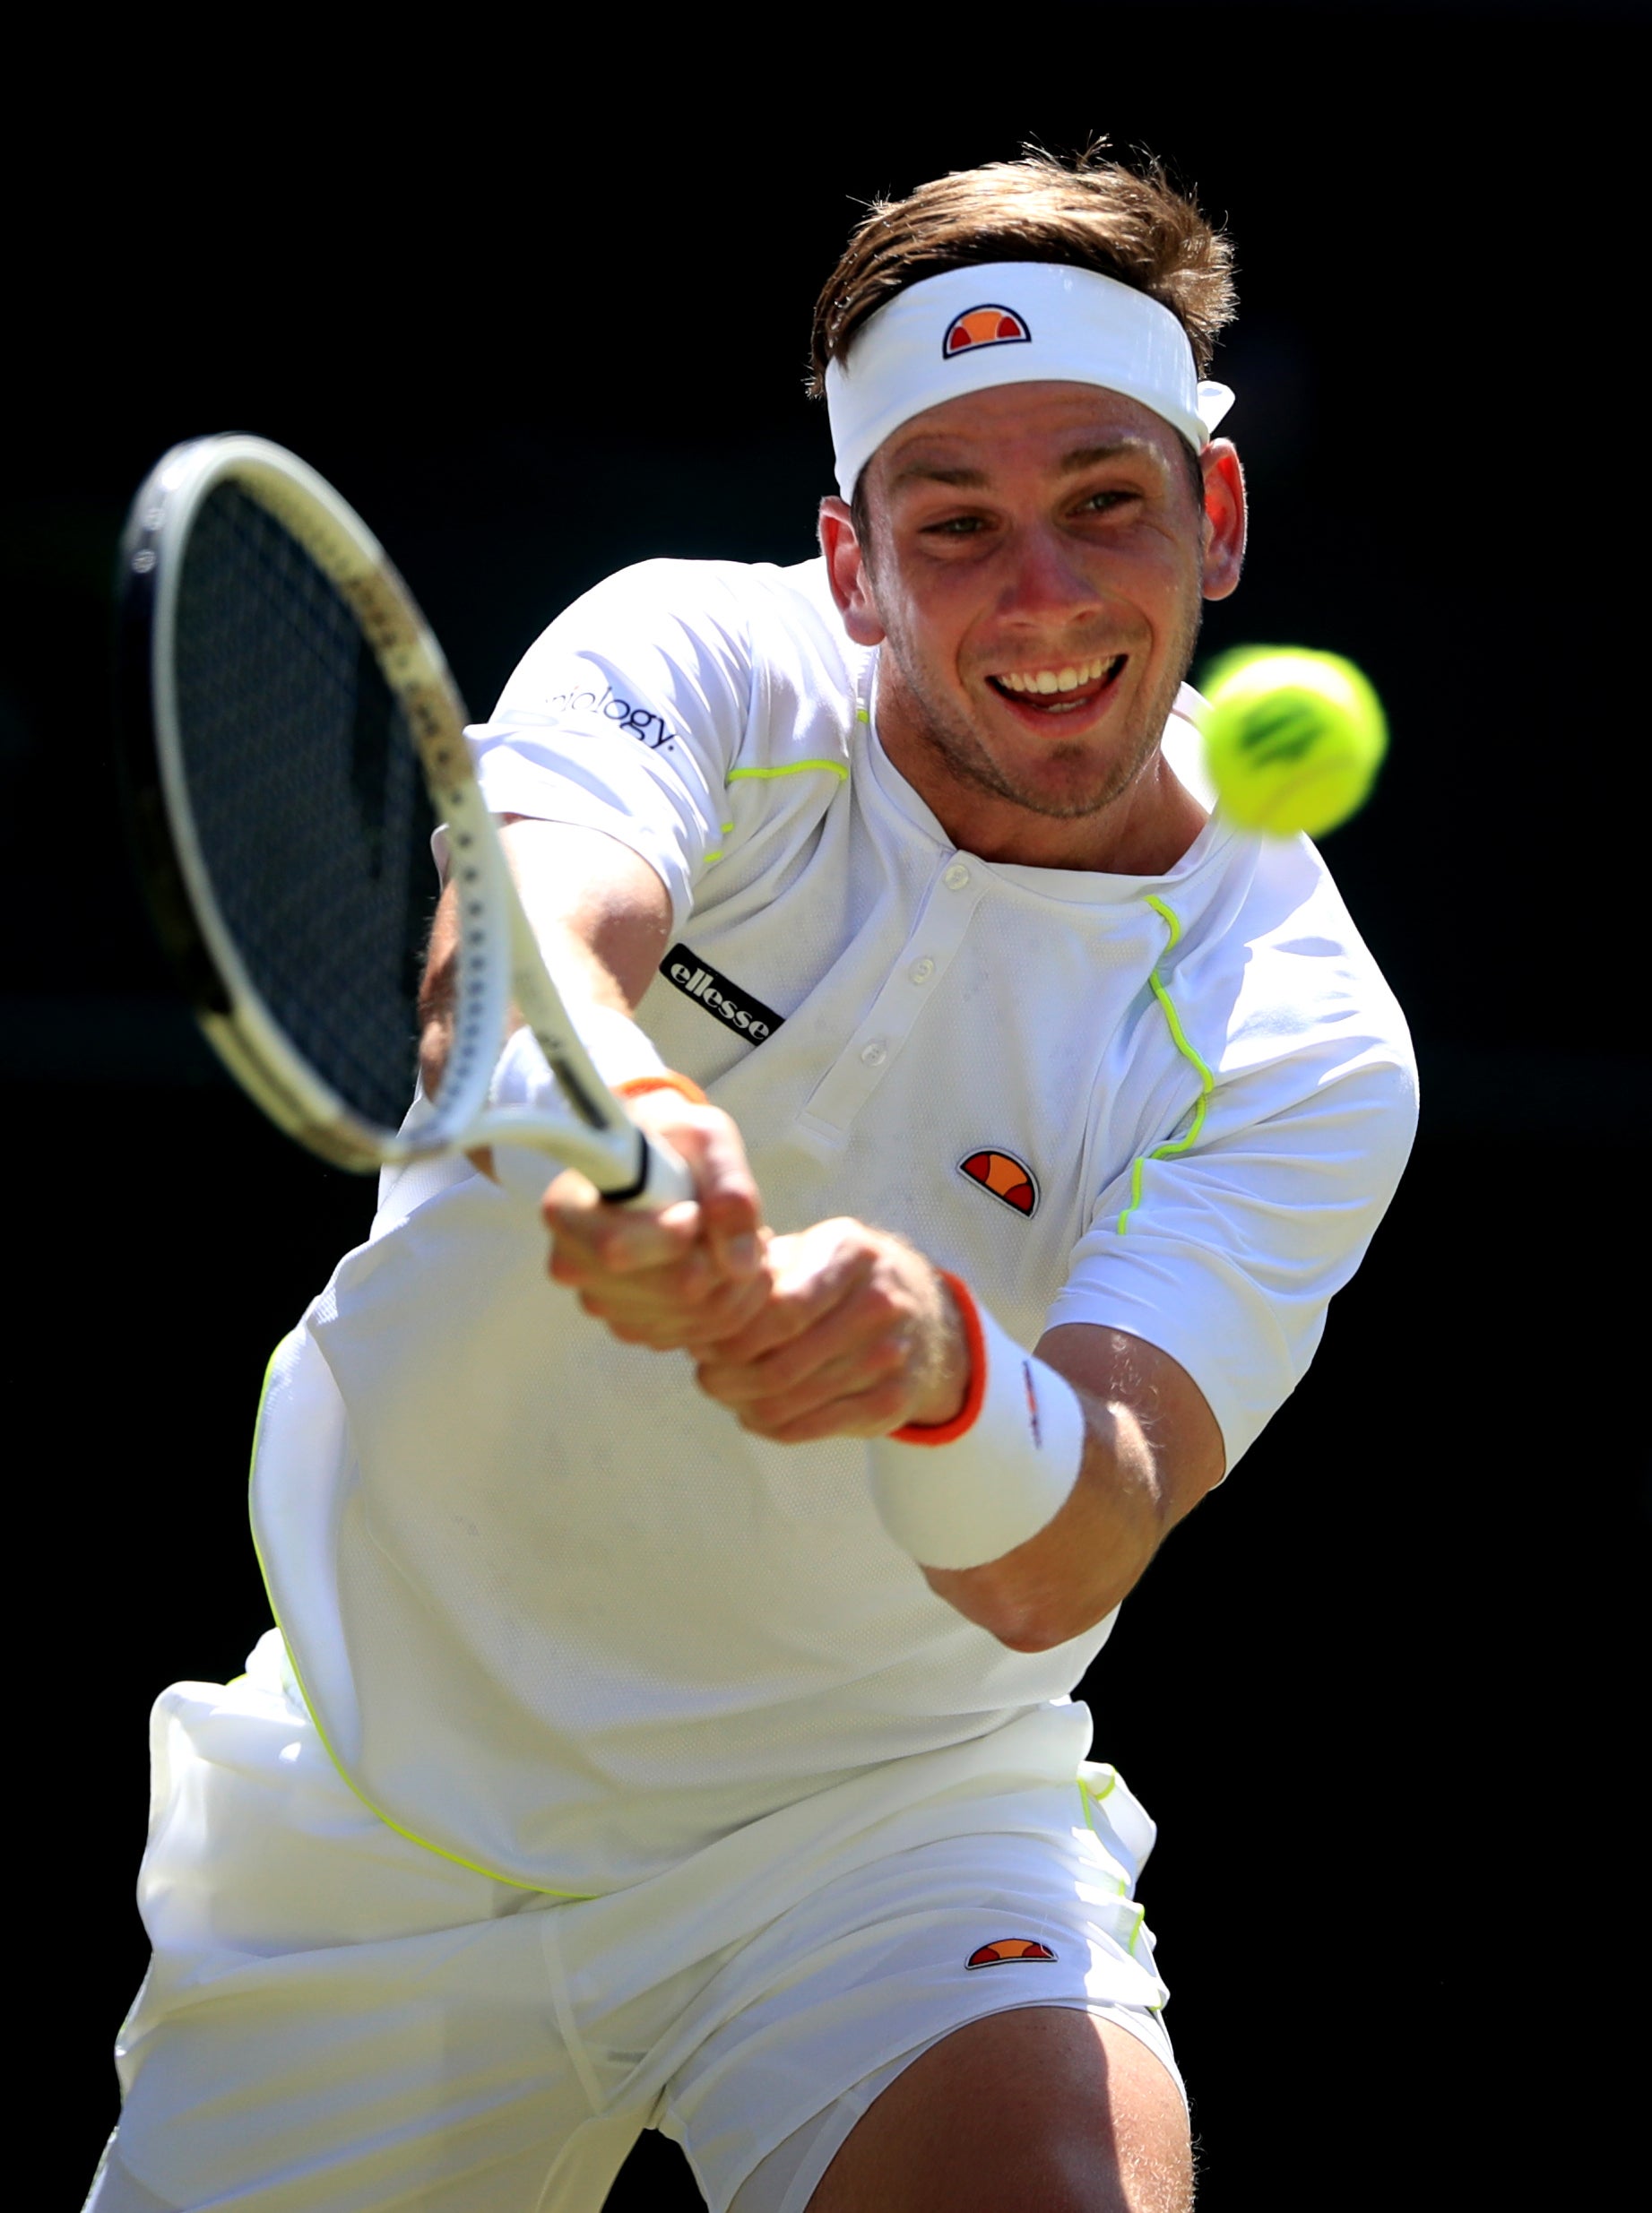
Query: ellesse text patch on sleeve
x=728, y=1001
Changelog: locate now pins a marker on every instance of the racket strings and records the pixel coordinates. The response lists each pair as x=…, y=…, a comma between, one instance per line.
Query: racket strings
x=311, y=815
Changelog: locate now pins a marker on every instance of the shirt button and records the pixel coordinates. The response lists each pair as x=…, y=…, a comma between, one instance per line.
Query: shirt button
x=874, y=1053
x=921, y=971
x=956, y=877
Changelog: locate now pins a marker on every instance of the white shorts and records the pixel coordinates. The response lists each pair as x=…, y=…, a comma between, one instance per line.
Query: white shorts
x=338, y=2020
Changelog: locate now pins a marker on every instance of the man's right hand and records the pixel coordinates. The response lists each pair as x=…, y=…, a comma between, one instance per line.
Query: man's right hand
x=682, y=1279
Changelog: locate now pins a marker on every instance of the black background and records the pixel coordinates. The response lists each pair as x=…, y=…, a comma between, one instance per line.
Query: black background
x=541, y=309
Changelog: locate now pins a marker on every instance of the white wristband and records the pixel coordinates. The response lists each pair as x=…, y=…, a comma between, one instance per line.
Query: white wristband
x=973, y=1488
x=621, y=1051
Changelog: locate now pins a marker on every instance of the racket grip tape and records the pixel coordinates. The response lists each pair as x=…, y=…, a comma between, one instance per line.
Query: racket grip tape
x=661, y=1177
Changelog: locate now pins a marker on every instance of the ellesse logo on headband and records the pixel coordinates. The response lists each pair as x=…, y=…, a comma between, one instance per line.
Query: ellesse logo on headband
x=983, y=326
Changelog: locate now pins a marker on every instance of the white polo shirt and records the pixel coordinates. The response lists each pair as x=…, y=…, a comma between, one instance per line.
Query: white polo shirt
x=554, y=1610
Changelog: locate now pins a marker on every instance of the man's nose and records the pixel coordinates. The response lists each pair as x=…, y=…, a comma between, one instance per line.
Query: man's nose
x=1045, y=583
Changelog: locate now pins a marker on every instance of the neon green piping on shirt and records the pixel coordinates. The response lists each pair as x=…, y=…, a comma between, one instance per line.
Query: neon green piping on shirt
x=1179, y=1036
x=790, y=768
x=474, y=1867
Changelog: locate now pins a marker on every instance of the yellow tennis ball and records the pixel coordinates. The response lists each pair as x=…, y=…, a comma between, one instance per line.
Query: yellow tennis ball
x=1292, y=740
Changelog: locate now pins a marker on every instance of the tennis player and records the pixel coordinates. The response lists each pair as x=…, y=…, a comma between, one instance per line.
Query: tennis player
x=668, y=1720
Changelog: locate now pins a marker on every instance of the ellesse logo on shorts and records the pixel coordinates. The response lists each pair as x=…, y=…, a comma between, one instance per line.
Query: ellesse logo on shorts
x=719, y=996
x=1012, y=1952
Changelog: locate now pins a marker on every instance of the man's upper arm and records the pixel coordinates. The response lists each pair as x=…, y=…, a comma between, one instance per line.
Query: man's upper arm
x=625, y=716
x=1224, y=1256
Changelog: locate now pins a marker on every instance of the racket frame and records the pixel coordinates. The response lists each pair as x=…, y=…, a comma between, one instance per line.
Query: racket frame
x=498, y=957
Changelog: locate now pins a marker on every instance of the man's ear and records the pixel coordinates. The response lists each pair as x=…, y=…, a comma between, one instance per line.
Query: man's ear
x=1224, y=545
x=850, y=572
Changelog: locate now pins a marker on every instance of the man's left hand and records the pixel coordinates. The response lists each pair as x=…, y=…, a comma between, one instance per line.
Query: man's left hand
x=859, y=1335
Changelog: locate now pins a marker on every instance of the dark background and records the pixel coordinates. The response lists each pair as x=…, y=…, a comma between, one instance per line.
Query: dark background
x=539, y=311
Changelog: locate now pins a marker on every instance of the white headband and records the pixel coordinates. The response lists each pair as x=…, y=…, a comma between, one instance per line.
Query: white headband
x=1011, y=322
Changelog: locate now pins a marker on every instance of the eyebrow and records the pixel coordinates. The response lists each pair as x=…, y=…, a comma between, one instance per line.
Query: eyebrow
x=1071, y=464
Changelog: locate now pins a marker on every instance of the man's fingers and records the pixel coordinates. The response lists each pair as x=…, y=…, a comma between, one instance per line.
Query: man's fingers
x=730, y=1217
x=591, y=1238
x=858, y=1333
x=873, y=1412
x=689, y=1310
x=683, y=1278
x=811, y=1273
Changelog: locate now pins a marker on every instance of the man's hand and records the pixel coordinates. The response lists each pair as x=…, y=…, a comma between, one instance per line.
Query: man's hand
x=857, y=1336
x=686, y=1278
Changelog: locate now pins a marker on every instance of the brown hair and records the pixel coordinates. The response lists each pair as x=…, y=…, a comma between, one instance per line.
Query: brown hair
x=1093, y=214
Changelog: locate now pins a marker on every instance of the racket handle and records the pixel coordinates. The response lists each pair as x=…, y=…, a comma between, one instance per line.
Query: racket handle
x=664, y=1178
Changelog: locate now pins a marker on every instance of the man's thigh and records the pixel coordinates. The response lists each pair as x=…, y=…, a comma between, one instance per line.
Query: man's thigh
x=869, y=1978
x=1046, y=2109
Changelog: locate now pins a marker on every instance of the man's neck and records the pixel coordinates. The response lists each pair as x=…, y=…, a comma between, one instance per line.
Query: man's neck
x=1144, y=831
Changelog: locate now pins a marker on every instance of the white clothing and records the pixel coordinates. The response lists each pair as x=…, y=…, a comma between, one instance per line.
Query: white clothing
x=338, y=2021
x=555, y=1613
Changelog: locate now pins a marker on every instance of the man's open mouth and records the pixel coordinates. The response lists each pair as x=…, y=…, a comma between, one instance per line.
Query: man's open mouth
x=1060, y=689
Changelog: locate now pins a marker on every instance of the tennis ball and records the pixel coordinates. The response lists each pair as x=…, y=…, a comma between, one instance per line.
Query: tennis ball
x=1292, y=740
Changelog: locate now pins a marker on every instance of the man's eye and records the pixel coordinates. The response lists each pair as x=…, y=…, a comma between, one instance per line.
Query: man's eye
x=1104, y=503
x=955, y=526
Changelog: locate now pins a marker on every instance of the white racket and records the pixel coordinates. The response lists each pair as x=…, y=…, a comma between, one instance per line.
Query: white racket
x=291, y=736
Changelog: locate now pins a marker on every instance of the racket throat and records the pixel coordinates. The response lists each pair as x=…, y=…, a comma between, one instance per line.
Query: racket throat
x=577, y=1095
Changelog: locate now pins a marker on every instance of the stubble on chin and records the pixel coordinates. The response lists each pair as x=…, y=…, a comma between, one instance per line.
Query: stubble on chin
x=1087, y=788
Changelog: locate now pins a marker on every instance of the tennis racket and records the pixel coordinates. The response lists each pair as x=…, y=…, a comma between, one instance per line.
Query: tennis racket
x=291, y=736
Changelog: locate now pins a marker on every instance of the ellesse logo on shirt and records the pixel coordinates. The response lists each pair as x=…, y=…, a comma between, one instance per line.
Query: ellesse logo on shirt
x=719, y=996
x=1005, y=1176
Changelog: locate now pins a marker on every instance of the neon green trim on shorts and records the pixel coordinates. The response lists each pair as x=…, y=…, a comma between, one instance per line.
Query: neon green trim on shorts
x=1179, y=1037
x=790, y=768
x=1088, y=1796
x=474, y=1867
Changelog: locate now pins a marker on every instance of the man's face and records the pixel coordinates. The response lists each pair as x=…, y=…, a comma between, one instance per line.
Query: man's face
x=1037, y=565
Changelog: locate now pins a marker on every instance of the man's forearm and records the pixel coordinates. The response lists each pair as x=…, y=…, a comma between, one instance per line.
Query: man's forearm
x=1074, y=1571
x=598, y=910
x=1144, y=1449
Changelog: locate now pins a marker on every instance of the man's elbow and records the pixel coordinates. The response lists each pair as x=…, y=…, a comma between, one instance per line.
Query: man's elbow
x=1022, y=1619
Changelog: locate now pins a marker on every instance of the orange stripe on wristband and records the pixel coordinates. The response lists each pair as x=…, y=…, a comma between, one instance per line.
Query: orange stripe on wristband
x=667, y=1080
x=947, y=1432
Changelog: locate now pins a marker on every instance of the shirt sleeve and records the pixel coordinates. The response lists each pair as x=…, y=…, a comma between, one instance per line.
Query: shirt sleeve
x=1225, y=1246
x=626, y=715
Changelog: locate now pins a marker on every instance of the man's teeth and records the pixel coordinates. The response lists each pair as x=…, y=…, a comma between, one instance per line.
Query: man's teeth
x=1066, y=679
